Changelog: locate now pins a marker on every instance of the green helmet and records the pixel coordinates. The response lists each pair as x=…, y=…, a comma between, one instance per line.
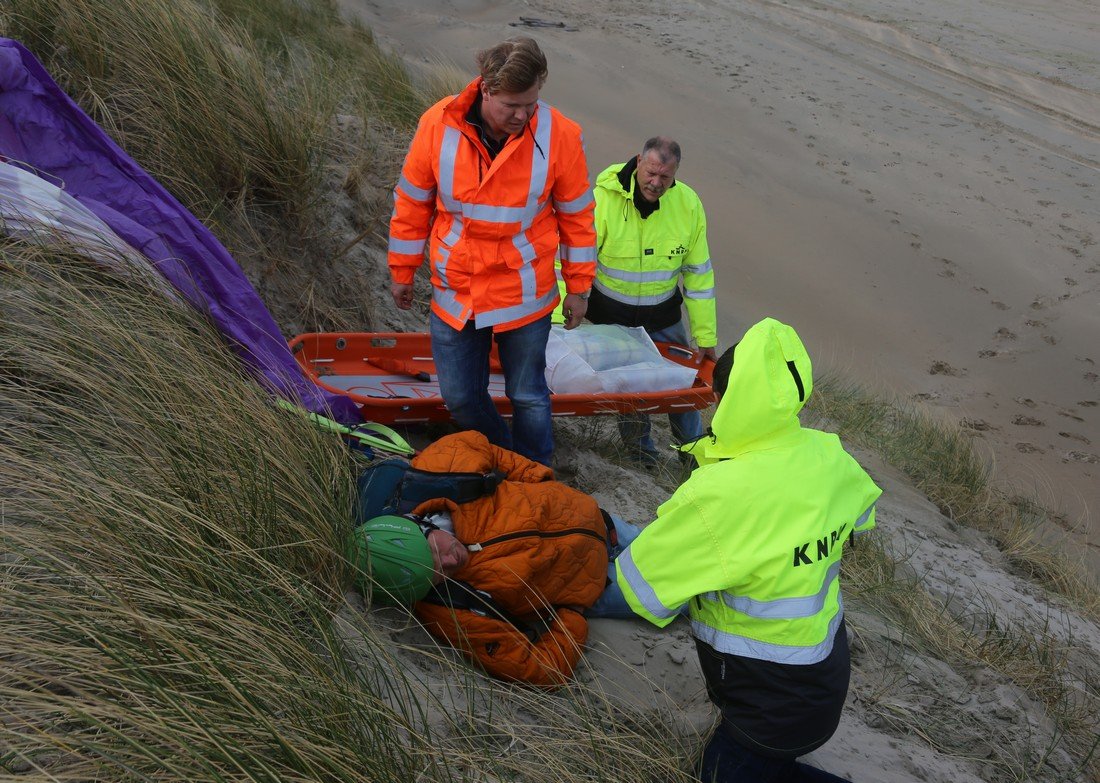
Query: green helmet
x=394, y=560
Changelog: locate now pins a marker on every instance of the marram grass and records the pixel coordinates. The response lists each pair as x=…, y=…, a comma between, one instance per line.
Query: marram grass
x=172, y=587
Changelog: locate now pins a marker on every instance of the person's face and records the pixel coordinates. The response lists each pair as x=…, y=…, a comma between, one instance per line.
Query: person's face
x=654, y=177
x=507, y=112
x=448, y=554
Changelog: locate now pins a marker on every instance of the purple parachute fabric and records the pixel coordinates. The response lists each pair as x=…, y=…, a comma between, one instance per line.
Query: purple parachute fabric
x=43, y=129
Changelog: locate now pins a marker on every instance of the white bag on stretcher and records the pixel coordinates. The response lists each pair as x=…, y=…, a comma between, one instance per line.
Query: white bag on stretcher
x=611, y=359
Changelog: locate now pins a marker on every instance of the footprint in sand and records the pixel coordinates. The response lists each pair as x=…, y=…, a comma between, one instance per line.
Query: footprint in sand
x=1004, y=333
x=1070, y=415
x=943, y=368
x=1087, y=403
x=949, y=266
x=1080, y=456
x=1076, y=437
x=1027, y=421
x=1026, y=402
x=1028, y=448
x=977, y=425
x=999, y=305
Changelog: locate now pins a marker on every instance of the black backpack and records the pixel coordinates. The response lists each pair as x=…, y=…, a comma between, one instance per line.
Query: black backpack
x=396, y=487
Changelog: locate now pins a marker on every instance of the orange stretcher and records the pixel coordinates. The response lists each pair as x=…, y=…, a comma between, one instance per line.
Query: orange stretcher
x=392, y=377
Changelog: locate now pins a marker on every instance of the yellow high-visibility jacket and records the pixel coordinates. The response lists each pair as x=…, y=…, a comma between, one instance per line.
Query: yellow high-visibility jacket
x=753, y=539
x=640, y=262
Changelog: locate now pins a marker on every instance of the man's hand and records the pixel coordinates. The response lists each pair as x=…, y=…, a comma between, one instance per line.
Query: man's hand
x=402, y=295
x=709, y=353
x=574, y=308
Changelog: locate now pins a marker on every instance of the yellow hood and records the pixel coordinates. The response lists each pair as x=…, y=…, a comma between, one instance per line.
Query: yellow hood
x=770, y=381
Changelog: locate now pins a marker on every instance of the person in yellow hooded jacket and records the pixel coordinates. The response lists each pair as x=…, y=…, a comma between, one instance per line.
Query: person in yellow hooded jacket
x=752, y=542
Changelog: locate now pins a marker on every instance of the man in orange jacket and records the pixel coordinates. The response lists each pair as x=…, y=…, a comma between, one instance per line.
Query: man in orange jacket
x=495, y=186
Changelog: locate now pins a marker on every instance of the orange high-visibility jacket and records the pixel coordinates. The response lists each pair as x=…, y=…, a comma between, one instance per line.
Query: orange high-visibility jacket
x=494, y=227
x=540, y=552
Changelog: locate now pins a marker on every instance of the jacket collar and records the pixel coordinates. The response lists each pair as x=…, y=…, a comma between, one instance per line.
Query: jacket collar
x=457, y=115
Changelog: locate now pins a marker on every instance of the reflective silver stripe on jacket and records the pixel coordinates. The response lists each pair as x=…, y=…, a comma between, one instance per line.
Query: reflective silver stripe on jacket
x=863, y=518
x=641, y=589
x=527, y=283
x=702, y=293
x=638, y=300
x=448, y=151
x=735, y=644
x=441, y=266
x=412, y=191
x=540, y=168
x=577, y=255
x=445, y=298
x=653, y=276
x=576, y=205
x=780, y=608
x=407, y=246
x=698, y=269
x=515, y=312
x=489, y=213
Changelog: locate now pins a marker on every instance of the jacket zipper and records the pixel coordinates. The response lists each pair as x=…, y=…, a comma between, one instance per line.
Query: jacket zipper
x=539, y=534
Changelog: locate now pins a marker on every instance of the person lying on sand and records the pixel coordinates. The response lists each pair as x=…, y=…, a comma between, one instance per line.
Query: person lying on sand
x=508, y=578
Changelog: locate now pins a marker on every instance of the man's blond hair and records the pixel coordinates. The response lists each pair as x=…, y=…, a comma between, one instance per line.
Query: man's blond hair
x=515, y=65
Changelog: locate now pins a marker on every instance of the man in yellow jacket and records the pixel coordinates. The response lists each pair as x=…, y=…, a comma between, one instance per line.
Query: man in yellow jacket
x=752, y=543
x=651, y=236
x=494, y=187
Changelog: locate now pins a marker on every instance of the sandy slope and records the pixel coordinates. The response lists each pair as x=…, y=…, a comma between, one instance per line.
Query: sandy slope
x=912, y=185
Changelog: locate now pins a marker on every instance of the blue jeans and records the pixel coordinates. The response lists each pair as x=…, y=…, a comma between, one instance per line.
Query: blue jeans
x=725, y=761
x=462, y=361
x=612, y=603
x=635, y=428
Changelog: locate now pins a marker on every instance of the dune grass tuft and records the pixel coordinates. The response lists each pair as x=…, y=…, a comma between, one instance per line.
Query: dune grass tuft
x=229, y=103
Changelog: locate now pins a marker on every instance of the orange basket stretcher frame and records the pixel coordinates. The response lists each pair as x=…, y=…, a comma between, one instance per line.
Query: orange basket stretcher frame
x=392, y=378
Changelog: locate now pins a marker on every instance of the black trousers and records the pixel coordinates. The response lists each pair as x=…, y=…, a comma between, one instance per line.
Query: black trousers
x=725, y=761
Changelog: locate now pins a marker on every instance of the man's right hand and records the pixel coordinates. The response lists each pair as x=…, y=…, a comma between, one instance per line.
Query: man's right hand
x=573, y=309
x=402, y=295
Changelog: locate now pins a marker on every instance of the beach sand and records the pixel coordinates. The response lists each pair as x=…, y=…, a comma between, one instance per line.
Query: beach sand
x=912, y=186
